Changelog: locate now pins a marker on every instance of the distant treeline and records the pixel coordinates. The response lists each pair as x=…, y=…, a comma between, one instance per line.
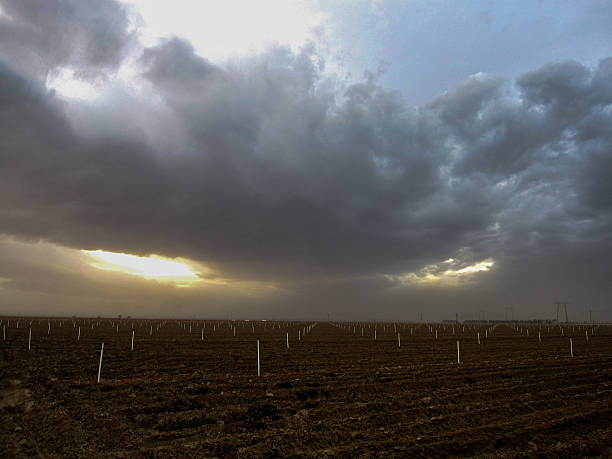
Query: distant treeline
x=533, y=321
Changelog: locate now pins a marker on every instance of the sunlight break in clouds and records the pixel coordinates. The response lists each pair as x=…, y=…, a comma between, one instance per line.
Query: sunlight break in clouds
x=152, y=267
x=436, y=274
x=65, y=82
x=220, y=30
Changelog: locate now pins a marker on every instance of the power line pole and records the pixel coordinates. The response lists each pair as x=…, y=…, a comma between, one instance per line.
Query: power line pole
x=562, y=306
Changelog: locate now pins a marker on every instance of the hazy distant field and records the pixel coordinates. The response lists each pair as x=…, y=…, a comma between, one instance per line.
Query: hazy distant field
x=332, y=393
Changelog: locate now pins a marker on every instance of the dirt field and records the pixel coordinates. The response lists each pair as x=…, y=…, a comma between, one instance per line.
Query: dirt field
x=333, y=393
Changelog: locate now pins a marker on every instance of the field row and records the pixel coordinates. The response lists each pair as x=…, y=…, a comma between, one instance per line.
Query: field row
x=331, y=393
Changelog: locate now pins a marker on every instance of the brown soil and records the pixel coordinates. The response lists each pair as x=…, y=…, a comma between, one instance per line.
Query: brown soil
x=332, y=394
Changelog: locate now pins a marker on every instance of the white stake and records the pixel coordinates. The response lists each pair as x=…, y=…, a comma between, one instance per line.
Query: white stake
x=374, y=334
x=132, y=348
x=586, y=333
x=399, y=341
x=299, y=335
x=539, y=337
x=458, y=357
x=287, y=340
x=151, y=331
x=258, y=360
x=79, y=335
x=100, y=364
x=436, y=334
x=571, y=348
x=478, y=337
x=202, y=334
x=48, y=328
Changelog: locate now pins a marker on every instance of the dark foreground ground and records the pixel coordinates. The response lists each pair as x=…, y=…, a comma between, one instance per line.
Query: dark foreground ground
x=334, y=393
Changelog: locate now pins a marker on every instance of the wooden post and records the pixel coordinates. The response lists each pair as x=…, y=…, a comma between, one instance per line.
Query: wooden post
x=458, y=356
x=100, y=364
x=258, y=360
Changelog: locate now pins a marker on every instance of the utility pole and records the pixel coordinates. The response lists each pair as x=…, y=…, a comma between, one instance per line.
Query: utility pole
x=562, y=305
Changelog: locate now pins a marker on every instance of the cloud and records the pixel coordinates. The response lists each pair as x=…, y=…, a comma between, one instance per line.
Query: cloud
x=174, y=66
x=40, y=36
x=449, y=272
x=271, y=170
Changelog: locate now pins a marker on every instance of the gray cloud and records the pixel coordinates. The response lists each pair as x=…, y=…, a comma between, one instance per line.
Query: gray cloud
x=38, y=36
x=270, y=169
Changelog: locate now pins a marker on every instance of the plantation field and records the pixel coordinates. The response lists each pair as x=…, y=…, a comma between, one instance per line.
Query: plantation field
x=190, y=389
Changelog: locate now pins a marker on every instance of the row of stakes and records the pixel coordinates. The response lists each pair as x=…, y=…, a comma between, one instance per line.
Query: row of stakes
x=343, y=326
x=299, y=332
x=306, y=330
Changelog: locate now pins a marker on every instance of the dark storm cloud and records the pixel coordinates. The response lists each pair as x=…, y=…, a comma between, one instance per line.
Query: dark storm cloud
x=270, y=169
x=41, y=35
x=175, y=67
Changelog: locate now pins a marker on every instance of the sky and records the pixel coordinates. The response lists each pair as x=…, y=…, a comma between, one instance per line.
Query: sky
x=366, y=160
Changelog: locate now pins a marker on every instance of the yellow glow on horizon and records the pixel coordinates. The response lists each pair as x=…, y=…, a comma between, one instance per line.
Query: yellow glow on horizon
x=153, y=267
x=431, y=275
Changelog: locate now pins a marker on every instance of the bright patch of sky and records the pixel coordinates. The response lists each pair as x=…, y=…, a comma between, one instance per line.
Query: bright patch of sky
x=430, y=45
x=448, y=272
x=150, y=267
x=219, y=30
x=421, y=47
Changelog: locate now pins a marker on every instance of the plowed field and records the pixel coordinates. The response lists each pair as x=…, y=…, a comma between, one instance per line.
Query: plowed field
x=190, y=389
